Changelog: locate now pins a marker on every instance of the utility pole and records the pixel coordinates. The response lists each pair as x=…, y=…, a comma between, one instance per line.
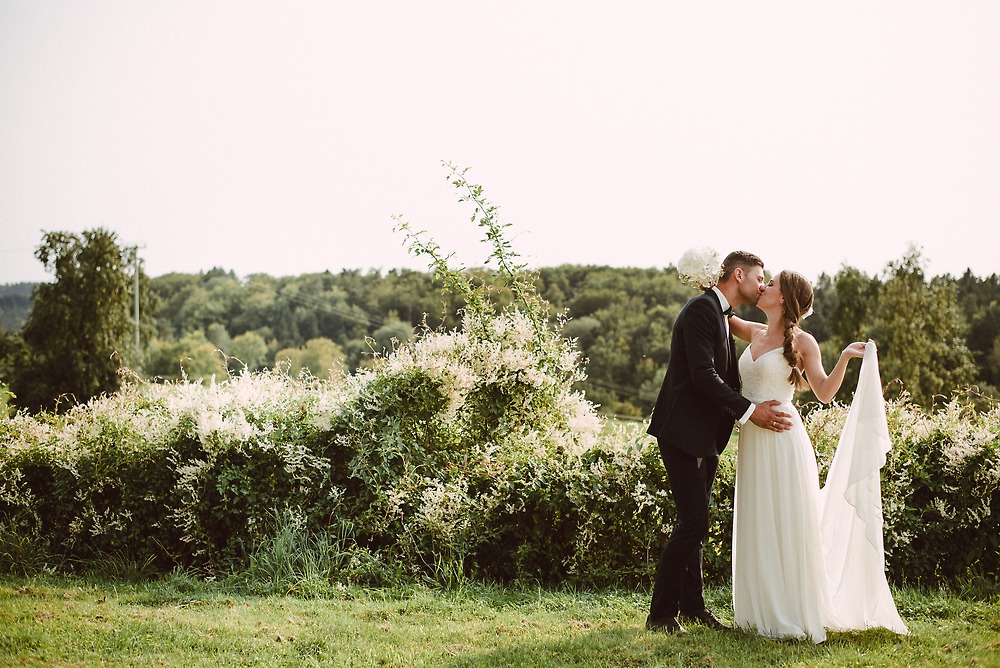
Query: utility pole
x=135, y=271
x=135, y=275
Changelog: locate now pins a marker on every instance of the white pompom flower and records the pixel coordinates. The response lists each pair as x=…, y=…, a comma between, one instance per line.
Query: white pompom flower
x=700, y=267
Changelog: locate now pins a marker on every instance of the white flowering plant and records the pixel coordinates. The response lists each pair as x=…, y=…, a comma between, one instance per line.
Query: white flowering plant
x=700, y=267
x=458, y=453
x=940, y=486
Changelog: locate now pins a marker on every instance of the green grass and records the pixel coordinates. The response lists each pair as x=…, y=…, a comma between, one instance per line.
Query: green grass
x=180, y=621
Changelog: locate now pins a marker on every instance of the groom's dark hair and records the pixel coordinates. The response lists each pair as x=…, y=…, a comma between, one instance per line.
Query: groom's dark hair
x=739, y=259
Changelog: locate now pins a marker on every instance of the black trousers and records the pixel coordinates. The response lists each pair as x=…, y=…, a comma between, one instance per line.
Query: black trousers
x=679, y=580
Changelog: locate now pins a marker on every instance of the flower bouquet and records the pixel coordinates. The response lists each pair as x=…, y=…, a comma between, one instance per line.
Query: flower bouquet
x=700, y=267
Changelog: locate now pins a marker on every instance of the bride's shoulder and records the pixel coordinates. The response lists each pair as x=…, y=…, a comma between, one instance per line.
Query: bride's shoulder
x=804, y=341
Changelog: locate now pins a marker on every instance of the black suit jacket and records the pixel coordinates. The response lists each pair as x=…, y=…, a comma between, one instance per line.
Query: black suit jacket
x=699, y=400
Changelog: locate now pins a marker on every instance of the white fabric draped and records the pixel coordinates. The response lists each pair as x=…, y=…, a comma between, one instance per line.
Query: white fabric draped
x=851, y=510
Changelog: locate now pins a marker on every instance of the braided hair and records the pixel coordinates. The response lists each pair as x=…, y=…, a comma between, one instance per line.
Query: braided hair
x=798, y=296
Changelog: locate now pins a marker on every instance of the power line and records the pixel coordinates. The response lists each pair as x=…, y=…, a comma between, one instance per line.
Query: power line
x=608, y=385
x=358, y=315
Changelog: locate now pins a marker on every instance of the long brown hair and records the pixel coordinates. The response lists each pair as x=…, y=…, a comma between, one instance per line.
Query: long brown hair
x=798, y=295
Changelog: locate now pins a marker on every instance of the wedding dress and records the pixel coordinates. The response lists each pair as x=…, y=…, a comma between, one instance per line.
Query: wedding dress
x=807, y=560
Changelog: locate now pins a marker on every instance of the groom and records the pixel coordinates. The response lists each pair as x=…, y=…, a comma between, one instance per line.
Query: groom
x=693, y=419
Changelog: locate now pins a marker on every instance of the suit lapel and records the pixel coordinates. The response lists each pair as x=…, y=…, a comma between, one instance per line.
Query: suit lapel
x=734, y=366
x=731, y=373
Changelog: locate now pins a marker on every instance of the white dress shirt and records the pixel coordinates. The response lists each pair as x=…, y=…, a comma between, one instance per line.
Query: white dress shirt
x=725, y=305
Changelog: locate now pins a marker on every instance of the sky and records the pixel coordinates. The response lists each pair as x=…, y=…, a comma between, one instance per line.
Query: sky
x=283, y=138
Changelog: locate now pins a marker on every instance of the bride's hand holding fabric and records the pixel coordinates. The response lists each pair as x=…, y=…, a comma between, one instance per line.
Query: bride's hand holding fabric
x=824, y=386
x=856, y=349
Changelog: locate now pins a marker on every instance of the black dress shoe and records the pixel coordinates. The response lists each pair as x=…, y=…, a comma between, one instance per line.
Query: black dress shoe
x=705, y=617
x=666, y=625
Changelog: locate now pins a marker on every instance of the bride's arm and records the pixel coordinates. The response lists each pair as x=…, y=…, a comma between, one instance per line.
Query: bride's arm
x=824, y=386
x=744, y=329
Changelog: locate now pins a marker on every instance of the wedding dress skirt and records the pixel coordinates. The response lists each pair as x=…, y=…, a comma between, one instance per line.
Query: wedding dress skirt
x=804, y=560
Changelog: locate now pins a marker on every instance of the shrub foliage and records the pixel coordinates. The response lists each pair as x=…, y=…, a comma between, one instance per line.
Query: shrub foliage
x=460, y=453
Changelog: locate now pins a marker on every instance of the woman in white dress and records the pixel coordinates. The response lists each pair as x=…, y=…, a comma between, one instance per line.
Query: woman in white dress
x=781, y=584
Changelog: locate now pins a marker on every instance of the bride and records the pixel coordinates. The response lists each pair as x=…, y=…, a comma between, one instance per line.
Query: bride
x=804, y=559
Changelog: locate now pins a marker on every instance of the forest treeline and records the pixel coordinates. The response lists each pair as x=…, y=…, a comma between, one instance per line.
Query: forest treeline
x=936, y=335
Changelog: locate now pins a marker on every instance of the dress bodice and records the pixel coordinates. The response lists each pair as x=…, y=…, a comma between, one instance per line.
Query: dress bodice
x=766, y=378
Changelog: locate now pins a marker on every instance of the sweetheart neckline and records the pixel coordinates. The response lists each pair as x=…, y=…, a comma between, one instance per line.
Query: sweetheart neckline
x=757, y=359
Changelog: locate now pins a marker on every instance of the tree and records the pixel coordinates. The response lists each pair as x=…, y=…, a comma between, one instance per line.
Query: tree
x=984, y=333
x=13, y=354
x=318, y=356
x=843, y=314
x=980, y=301
x=920, y=332
x=15, y=305
x=391, y=334
x=80, y=329
x=193, y=357
x=583, y=330
x=855, y=296
x=248, y=349
x=218, y=336
x=825, y=295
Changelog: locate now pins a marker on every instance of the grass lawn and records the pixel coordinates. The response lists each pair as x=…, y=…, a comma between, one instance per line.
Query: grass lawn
x=180, y=621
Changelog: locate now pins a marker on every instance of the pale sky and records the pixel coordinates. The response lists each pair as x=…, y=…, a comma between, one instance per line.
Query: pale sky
x=281, y=137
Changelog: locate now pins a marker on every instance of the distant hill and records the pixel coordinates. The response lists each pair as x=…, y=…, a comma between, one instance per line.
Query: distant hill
x=15, y=305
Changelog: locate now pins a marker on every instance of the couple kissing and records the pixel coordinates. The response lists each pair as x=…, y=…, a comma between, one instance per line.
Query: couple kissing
x=786, y=582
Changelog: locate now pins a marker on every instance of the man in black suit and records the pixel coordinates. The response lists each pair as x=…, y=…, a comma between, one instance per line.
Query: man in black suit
x=693, y=419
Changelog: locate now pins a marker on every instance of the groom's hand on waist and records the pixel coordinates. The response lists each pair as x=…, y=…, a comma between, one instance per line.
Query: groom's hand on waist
x=765, y=417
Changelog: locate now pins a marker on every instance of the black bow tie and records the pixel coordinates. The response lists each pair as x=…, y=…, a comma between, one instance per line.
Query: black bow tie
x=728, y=312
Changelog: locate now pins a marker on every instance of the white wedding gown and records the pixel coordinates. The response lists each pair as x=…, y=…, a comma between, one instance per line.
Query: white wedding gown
x=807, y=560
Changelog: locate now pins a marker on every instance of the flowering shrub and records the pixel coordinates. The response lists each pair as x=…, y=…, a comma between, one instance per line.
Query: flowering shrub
x=451, y=457
x=940, y=487
x=460, y=453
x=163, y=472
